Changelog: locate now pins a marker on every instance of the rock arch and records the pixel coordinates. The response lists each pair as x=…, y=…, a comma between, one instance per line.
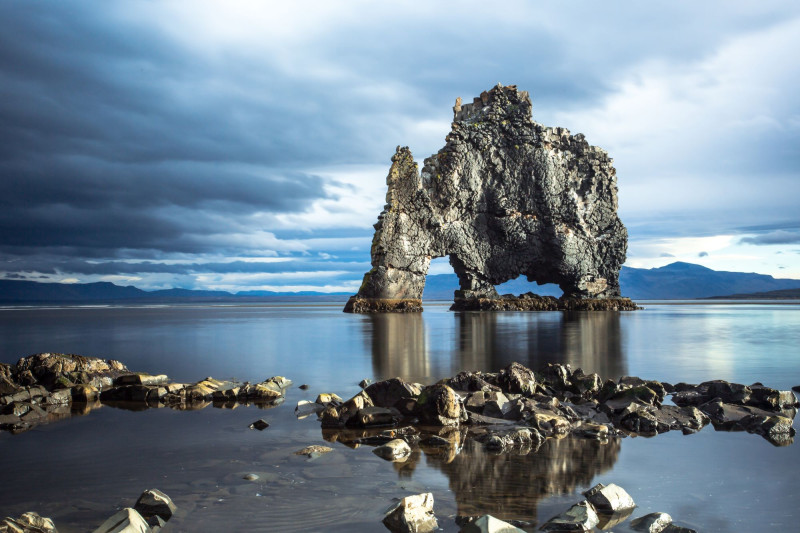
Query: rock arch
x=504, y=197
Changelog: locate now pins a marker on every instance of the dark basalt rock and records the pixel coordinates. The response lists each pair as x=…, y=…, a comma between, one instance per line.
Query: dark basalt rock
x=504, y=197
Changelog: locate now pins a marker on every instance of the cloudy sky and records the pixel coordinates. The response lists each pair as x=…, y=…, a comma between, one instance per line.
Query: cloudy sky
x=244, y=145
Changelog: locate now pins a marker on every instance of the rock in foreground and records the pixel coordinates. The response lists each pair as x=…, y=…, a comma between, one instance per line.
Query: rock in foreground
x=412, y=514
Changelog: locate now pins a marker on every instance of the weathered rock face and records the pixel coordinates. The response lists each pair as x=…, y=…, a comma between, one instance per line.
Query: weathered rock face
x=505, y=197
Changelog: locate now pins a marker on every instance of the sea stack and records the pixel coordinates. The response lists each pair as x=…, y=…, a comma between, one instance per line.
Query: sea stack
x=505, y=197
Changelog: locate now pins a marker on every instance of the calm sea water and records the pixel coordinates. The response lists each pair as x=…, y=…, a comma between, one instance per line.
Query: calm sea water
x=78, y=471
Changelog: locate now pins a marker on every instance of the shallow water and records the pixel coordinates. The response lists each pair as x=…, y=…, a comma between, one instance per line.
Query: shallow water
x=78, y=471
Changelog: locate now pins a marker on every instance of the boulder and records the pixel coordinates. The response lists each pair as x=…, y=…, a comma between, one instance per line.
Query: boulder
x=652, y=523
x=127, y=520
x=153, y=502
x=518, y=379
x=439, y=405
x=388, y=392
x=557, y=376
x=394, y=450
x=473, y=381
x=412, y=514
x=579, y=517
x=609, y=498
x=489, y=524
x=27, y=523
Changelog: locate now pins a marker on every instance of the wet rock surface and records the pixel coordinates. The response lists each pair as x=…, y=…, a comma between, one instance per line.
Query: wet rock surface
x=149, y=515
x=47, y=387
x=505, y=197
x=412, y=514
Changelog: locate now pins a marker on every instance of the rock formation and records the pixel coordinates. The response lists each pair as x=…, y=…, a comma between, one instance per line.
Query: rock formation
x=505, y=197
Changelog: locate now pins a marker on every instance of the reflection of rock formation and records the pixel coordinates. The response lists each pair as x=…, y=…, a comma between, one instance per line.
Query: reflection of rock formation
x=591, y=341
x=398, y=345
x=510, y=486
x=491, y=341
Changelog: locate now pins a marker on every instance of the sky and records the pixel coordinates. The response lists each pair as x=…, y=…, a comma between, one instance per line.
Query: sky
x=244, y=145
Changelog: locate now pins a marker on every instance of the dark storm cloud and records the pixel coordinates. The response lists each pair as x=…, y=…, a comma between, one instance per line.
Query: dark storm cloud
x=124, y=135
x=781, y=236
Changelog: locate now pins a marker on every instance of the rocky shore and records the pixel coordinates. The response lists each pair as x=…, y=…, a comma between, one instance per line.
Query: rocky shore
x=510, y=408
x=512, y=412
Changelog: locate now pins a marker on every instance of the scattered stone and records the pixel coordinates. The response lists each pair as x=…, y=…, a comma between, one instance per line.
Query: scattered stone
x=303, y=387
x=328, y=398
x=314, y=450
x=579, y=517
x=796, y=388
x=125, y=521
x=250, y=477
x=153, y=502
x=394, y=450
x=609, y=498
x=412, y=514
x=489, y=524
x=259, y=424
x=652, y=523
x=364, y=383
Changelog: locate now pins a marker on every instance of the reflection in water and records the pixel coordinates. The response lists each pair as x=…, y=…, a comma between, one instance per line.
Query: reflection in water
x=490, y=341
x=398, y=344
x=510, y=486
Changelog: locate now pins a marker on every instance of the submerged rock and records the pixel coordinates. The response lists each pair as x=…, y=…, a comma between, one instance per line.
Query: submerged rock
x=412, y=514
x=314, y=450
x=394, y=450
x=259, y=424
x=579, y=517
x=505, y=197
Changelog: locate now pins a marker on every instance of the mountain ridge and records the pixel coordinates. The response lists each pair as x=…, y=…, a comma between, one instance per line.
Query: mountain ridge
x=675, y=281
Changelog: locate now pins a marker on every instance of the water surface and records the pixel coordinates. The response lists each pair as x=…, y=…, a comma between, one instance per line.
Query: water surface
x=80, y=470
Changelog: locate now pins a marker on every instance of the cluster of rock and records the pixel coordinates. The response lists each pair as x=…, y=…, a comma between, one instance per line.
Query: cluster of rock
x=534, y=302
x=46, y=387
x=149, y=515
x=608, y=506
x=518, y=408
x=504, y=197
x=414, y=514
x=605, y=506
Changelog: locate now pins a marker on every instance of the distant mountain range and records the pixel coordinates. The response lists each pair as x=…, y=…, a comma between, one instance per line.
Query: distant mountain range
x=677, y=281
x=16, y=291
